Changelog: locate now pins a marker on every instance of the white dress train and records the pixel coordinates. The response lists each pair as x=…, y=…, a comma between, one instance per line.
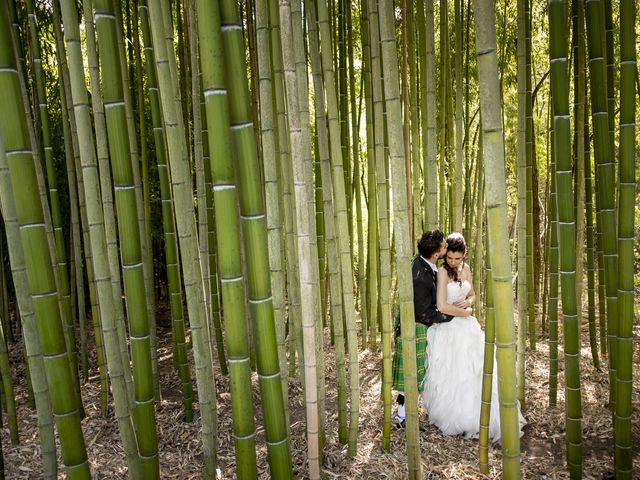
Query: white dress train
x=453, y=381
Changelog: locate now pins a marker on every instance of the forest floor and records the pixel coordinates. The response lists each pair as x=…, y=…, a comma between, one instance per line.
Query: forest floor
x=542, y=445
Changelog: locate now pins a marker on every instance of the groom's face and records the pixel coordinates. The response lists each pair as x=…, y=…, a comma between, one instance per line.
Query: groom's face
x=443, y=249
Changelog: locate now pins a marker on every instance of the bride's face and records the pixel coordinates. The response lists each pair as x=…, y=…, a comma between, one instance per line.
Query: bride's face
x=454, y=259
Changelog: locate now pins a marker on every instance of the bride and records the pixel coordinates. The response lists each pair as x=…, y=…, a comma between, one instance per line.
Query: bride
x=455, y=354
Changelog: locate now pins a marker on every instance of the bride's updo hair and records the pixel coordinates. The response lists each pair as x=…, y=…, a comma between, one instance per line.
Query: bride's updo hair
x=455, y=243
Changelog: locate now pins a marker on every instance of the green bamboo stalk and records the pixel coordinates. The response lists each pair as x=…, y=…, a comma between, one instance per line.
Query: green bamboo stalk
x=269, y=150
x=7, y=388
x=102, y=153
x=522, y=206
x=611, y=74
x=467, y=125
x=493, y=155
x=487, y=372
x=356, y=182
x=626, y=206
x=174, y=276
x=457, y=182
x=75, y=193
x=56, y=243
x=300, y=56
x=35, y=363
x=225, y=201
x=406, y=109
x=82, y=226
x=430, y=138
x=373, y=257
x=401, y=231
x=98, y=239
x=530, y=159
x=414, y=122
x=291, y=255
x=255, y=241
x=144, y=161
x=54, y=200
x=342, y=226
x=19, y=160
x=322, y=244
x=579, y=78
x=553, y=279
x=147, y=256
x=329, y=223
x=603, y=151
x=340, y=68
x=590, y=236
x=212, y=249
x=479, y=239
x=187, y=234
x=291, y=36
x=198, y=153
x=443, y=114
x=4, y=290
x=381, y=193
x=129, y=232
x=566, y=232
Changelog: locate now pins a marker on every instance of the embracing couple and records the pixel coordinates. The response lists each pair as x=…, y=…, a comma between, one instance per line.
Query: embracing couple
x=450, y=352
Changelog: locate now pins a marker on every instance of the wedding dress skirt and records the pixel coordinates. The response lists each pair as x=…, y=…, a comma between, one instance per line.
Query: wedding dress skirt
x=453, y=383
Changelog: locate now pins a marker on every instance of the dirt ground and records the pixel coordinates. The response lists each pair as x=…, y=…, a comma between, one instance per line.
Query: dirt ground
x=542, y=445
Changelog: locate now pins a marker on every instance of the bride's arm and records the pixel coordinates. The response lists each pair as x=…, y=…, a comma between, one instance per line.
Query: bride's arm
x=471, y=296
x=441, y=297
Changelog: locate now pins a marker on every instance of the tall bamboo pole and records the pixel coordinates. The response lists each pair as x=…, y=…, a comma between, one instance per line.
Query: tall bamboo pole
x=522, y=200
x=381, y=193
x=603, y=151
x=487, y=373
x=289, y=35
x=329, y=223
x=187, y=234
x=129, y=230
x=566, y=232
x=553, y=278
x=493, y=155
x=95, y=218
x=174, y=277
x=269, y=151
x=290, y=227
x=530, y=159
x=626, y=217
x=458, y=184
x=342, y=224
x=35, y=360
x=102, y=153
x=252, y=215
x=401, y=230
x=19, y=160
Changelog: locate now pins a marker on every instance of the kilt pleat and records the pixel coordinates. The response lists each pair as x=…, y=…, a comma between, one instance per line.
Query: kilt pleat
x=398, y=360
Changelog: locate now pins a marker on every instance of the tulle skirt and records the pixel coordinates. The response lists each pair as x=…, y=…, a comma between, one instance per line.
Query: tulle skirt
x=453, y=381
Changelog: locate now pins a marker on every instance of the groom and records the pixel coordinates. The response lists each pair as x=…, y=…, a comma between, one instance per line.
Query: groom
x=431, y=247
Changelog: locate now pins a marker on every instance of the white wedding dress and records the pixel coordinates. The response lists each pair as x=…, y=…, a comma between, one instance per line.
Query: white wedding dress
x=453, y=382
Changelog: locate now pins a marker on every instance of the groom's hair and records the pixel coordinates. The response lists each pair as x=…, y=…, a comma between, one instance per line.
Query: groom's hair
x=429, y=243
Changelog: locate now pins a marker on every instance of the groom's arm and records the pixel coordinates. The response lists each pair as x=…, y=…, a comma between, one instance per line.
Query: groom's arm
x=424, y=300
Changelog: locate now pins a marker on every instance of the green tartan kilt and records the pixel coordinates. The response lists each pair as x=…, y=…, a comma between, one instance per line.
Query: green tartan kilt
x=421, y=347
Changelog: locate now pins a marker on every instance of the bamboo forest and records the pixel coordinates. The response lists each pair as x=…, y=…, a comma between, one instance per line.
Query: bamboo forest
x=212, y=213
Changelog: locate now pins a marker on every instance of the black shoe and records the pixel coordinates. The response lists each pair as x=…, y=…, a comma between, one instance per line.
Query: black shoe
x=402, y=424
